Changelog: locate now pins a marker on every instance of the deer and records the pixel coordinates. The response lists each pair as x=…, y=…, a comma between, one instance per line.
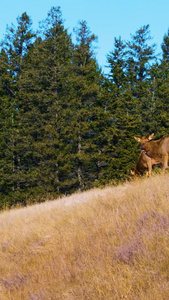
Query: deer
x=157, y=150
x=144, y=162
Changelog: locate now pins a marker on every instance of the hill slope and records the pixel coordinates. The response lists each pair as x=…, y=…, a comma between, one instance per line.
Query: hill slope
x=102, y=244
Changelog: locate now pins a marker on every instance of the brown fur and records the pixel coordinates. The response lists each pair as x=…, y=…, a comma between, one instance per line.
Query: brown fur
x=157, y=150
x=144, y=162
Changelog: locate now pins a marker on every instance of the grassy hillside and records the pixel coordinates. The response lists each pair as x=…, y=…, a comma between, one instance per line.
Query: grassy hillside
x=102, y=244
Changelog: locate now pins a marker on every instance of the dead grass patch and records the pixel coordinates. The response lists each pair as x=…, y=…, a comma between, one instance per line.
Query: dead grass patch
x=107, y=243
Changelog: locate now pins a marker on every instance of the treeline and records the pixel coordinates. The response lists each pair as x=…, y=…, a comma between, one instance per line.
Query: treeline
x=65, y=126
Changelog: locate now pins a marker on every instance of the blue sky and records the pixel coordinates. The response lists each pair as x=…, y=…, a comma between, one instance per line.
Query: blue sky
x=107, y=19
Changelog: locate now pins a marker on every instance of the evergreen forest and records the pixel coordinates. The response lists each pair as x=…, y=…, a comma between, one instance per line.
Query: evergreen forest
x=65, y=125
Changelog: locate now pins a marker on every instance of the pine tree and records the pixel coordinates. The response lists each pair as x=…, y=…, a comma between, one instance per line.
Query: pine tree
x=87, y=110
x=140, y=56
x=165, y=47
x=117, y=63
x=160, y=74
x=46, y=86
x=123, y=113
x=6, y=162
x=15, y=45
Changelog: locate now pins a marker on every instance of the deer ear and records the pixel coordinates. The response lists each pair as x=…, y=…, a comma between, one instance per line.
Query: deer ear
x=132, y=172
x=137, y=139
x=151, y=136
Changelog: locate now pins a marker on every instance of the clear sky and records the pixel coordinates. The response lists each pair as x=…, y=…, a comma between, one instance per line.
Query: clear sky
x=107, y=19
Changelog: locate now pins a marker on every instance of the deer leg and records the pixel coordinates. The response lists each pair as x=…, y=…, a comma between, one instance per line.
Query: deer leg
x=147, y=174
x=165, y=162
x=149, y=164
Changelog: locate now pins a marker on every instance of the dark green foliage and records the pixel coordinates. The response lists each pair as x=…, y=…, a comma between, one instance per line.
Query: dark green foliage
x=86, y=106
x=161, y=79
x=64, y=125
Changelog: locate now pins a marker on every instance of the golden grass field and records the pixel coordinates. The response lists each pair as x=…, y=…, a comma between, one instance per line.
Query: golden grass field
x=104, y=244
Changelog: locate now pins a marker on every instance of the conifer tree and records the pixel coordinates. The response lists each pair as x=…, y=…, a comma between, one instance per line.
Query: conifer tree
x=140, y=56
x=6, y=111
x=117, y=63
x=86, y=107
x=123, y=113
x=15, y=45
x=161, y=81
x=46, y=87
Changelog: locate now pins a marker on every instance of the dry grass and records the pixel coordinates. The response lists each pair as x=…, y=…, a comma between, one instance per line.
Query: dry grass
x=102, y=244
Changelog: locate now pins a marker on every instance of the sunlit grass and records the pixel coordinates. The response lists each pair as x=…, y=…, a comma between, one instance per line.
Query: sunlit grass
x=110, y=243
